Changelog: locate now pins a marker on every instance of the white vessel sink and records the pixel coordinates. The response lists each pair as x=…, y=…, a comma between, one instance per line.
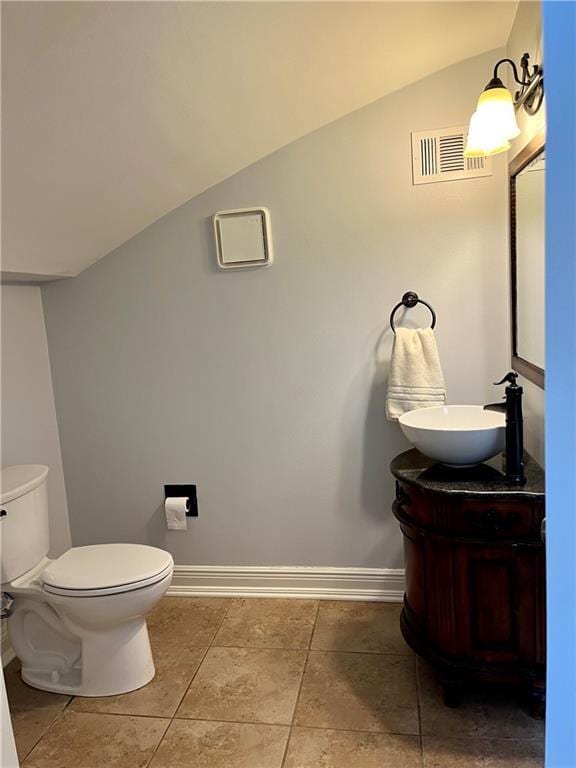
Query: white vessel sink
x=456, y=435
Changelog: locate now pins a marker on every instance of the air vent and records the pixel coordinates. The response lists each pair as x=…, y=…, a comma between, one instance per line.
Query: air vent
x=439, y=156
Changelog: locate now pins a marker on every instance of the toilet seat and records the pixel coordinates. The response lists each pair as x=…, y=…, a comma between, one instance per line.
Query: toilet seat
x=105, y=569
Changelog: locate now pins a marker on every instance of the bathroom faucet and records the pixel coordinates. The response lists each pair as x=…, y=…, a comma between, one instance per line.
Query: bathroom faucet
x=514, y=428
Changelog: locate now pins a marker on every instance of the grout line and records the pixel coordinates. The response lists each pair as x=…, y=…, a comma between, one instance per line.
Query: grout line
x=313, y=727
x=226, y=612
x=210, y=645
x=173, y=717
x=359, y=653
x=490, y=739
x=363, y=653
x=45, y=731
x=224, y=615
x=56, y=717
x=119, y=714
x=157, y=747
x=181, y=699
x=314, y=650
x=231, y=722
x=359, y=730
x=314, y=624
x=502, y=740
x=290, y=730
x=262, y=648
x=288, y=726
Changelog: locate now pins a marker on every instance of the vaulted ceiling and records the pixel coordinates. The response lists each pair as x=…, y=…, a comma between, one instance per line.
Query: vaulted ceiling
x=114, y=113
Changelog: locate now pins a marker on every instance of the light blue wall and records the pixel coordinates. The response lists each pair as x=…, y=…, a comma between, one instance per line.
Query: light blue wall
x=267, y=388
x=28, y=428
x=560, y=47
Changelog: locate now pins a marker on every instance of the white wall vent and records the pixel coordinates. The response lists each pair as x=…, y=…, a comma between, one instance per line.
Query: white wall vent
x=439, y=156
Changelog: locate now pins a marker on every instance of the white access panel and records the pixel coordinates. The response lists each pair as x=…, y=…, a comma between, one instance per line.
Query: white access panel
x=243, y=238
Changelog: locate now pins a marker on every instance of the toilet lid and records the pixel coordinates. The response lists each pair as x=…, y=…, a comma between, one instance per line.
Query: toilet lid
x=107, y=567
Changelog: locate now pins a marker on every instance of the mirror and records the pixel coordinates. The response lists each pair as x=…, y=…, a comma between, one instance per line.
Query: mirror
x=527, y=232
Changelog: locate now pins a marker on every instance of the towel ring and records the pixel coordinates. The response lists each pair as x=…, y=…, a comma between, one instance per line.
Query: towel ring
x=410, y=299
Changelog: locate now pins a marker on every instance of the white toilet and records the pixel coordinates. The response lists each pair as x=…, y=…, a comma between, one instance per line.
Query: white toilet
x=78, y=623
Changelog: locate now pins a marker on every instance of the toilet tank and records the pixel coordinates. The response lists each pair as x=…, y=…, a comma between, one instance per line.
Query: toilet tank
x=24, y=538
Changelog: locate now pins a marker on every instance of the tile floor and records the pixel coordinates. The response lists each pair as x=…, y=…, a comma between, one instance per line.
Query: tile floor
x=274, y=684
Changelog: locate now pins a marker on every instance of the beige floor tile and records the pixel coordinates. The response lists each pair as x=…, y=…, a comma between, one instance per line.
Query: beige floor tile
x=161, y=697
x=358, y=691
x=201, y=744
x=86, y=740
x=365, y=627
x=245, y=685
x=184, y=622
x=489, y=714
x=268, y=623
x=482, y=753
x=32, y=710
x=310, y=748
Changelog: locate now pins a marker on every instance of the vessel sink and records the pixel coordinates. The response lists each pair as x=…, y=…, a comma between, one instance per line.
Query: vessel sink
x=456, y=435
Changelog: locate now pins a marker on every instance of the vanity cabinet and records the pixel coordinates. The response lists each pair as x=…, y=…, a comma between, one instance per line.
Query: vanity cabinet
x=475, y=592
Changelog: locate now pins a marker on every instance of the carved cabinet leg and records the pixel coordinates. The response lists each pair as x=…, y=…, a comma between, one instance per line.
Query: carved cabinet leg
x=536, y=698
x=452, y=688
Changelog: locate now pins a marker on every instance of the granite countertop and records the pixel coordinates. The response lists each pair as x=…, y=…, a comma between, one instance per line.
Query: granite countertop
x=486, y=479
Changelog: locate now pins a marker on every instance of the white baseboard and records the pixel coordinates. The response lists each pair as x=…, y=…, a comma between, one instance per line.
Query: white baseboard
x=7, y=652
x=378, y=584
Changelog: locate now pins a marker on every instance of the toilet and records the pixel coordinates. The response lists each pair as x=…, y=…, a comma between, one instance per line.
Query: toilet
x=78, y=622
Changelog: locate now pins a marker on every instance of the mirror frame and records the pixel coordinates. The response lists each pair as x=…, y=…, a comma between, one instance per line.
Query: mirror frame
x=524, y=367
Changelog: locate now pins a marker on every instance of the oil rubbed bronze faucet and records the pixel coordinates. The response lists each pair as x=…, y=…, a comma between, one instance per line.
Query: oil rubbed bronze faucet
x=514, y=453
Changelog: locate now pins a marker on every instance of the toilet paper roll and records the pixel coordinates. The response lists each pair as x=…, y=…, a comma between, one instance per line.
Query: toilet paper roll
x=176, y=508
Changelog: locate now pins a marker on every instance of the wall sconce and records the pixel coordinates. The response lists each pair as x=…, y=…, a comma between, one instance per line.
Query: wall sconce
x=494, y=122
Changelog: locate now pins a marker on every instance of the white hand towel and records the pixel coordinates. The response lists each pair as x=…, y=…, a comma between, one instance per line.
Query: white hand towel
x=416, y=379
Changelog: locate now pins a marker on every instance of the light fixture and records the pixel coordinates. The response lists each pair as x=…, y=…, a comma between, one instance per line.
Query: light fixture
x=494, y=122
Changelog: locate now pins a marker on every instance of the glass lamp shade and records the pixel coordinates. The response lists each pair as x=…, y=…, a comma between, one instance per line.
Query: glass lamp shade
x=492, y=125
x=482, y=140
x=496, y=106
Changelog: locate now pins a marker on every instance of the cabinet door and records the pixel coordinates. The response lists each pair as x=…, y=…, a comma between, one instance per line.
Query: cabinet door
x=499, y=614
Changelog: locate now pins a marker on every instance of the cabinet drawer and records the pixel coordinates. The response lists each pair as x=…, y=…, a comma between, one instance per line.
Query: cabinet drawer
x=501, y=519
x=493, y=518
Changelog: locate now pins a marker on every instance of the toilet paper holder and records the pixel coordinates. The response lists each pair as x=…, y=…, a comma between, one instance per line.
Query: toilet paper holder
x=184, y=490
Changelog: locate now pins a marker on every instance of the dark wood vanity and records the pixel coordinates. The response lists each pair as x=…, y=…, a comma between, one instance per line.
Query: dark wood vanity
x=475, y=578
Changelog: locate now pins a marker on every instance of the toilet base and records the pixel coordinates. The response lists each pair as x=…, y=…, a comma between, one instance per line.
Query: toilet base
x=67, y=682
x=84, y=646
x=112, y=662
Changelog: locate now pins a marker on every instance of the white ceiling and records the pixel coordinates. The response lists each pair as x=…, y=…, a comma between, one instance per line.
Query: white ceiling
x=114, y=113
